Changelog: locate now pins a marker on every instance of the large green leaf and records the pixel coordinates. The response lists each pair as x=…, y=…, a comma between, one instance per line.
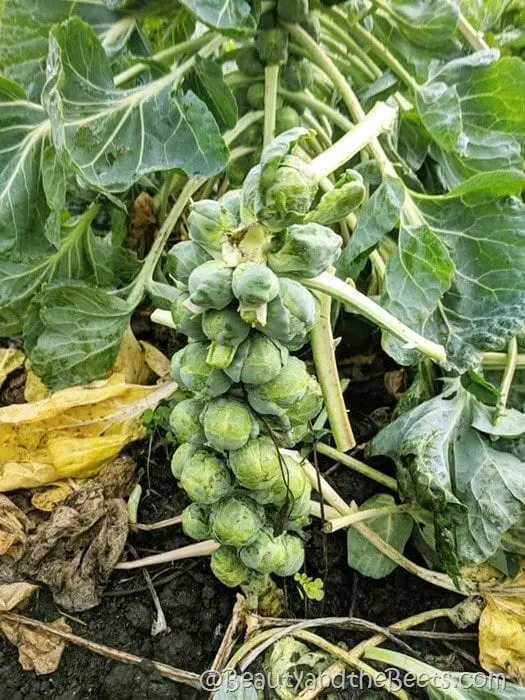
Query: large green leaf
x=475, y=493
x=73, y=332
x=113, y=137
x=394, y=528
x=482, y=228
x=427, y=23
x=228, y=16
x=207, y=82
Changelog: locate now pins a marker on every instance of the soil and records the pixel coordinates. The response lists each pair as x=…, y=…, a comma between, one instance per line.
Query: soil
x=196, y=605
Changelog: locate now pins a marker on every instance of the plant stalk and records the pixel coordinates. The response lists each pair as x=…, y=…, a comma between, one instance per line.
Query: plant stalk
x=200, y=549
x=508, y=376
x=357, y=466
x=498, y=360
x=271, y=82
x=335, y=524
x=473, y=38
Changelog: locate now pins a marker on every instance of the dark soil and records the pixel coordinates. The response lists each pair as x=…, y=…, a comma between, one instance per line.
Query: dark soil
x=196, y=605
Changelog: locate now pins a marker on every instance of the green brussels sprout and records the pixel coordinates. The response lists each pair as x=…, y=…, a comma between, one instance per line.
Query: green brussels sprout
x=227, y=330
x=293, y=484
x=272, y=45
x=264, y=360
x=236, y=520
x=234, y=369
x=181, y=457
x=286, y=388
x=256, y=465
x=255, y=96
x=286, y=118
x=210, y=285
x=312, y=25
x=183, y=258
x=231, y=201
x=308, y=406
x=228, y=424
x=184, y=421
x=292, y=10
x=190, y=369
x=291, y=315
x=209, y=223
x=206, y=478
x=294, y=559
x=304, y=249
x=185, y=321
x=265, y=554
x=228, y=568
x=299, y=514
x=297, y=75
x=248, y=62
x=254, y=284
x=290, y=195
x=195, y=522
x=337, y=204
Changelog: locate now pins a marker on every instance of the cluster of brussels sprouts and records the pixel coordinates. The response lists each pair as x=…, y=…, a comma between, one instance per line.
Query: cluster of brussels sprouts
x=243, y=308
x=296, y=74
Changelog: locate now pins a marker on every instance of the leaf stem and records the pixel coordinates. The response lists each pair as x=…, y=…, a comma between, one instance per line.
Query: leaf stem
x=322, y=342
x=357, y=466
x=335, y=524
x=508, y=376
x=498, y=360
x=271, y=82
x=473, y=38
x=199, y=549
x=330, y=25
x=377, y=314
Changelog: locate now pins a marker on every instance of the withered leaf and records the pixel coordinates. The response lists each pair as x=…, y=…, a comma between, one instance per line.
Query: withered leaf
x=38, y=650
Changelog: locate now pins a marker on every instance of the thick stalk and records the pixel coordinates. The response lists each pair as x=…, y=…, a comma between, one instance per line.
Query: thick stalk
x=498, y=360
x=271, y=82
x=377, y=314
x=321, y=108
x=356, y=465
x=508, y=376
x=322, y=342
x=380, y=118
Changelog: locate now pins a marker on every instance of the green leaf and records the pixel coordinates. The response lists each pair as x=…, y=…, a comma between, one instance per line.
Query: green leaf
x=338, y=203
x=73, y=333
x=484, y=14
x=378, y=216
x=113, y=137
x=476, y=385
x=511, y=424
x=207, y=82
x=427, y=23
x=394, y=528
x=228, y=16
x=444, y=465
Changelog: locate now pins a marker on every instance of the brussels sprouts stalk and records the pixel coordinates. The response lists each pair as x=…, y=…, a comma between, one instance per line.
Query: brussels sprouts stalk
x=379, y=119
x=357, y=466
x=271, y=81
x=377, y=314
x=508, y=376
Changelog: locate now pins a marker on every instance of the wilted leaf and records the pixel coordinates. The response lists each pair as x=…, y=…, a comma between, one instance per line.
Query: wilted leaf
x=14, y=525
x=158, y=363
x=74, y=432
x=38, y=650
x=35, y=389
x=142, y=226
x=12, y=595
x=130, y=361
x=48, y=499
x=10, y=359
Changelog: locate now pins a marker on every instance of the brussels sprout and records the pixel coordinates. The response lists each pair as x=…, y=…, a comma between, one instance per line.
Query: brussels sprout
x=290, y=195
x=264, y=361
x=183, y=258
x=265, y=554
x=232, y=202
x=234, y=369
x=237, y=170
x=227, y=330
x=228, y=424
x=286, y=118
x=294, y=556
x=256, y=465
x=272, y=45
x=338, y=203
x=297, y=75
x=254, y=284
x=292, y=483
x=228, y=568
x=184, y=421
x=190, y=369
x=304, y=249
x=195, y=522
x=210, y=285
x=308, y=406
x=185, y=321
x=285, y=389
x=291, y=315
x=209, y=223
x=181, y=457
x=292, y=10
x=248, y=62
x=236, y=520
x=299, y=514
x=255, y=96
x=205, y=477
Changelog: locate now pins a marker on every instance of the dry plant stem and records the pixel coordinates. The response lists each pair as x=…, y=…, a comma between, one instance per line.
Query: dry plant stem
x=473, y=38
x=335, y=524
x=176, y=520
x=498, y=360
x=508, y=376
x=357, y=466
x=170, y=672
x=322, y=342
x=236, y=625
x=200, y=549
x=271, y=81
x=329, y=512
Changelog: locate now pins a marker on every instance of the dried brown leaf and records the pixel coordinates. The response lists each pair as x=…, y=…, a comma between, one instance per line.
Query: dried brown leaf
x=143, y=225
x=38, y=650
x=14, y=526
x=14, y=595
x=158, y=363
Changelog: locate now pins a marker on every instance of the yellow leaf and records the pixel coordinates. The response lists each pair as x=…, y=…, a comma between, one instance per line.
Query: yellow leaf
x=156, y=360
x=38, y=650
x=502, y=634
x=14, y=525
x=12, y=595
x=35, y=389
x=49, y=498
x=73, y=432
x=10, y=359
x=130, y=361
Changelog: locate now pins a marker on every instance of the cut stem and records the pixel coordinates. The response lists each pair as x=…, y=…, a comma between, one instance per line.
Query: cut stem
x=271, y=82
x=379, y=119
x=357, y=466
x=498, y=360
x=508, y=376
x=322, y=342
x=336, y=524
x=377, y=314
